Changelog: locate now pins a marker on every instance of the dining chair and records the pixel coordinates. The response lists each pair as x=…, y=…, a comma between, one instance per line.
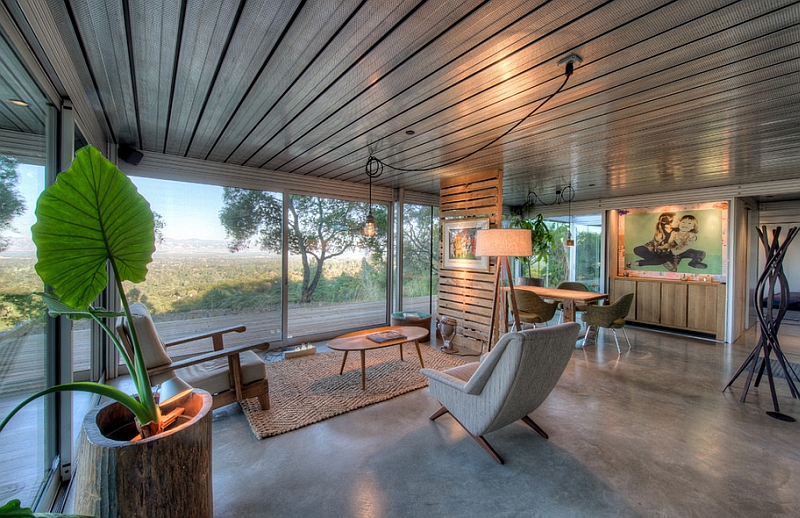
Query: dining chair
x=532, y=308
x=574, y=286
x=611, y=316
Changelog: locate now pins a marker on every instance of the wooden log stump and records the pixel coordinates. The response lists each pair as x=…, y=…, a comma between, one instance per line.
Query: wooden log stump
x=167, y=475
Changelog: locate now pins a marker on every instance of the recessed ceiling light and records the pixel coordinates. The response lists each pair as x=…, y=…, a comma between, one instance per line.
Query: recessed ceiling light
x=410, y=132
x=18, y=102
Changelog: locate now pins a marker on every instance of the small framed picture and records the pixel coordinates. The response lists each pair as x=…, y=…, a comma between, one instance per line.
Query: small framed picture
x=459, y=244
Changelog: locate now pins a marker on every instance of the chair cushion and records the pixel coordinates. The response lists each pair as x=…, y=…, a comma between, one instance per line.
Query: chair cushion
x=618, y=323
x=463, y=372
x=213, y=376
x=153, y=351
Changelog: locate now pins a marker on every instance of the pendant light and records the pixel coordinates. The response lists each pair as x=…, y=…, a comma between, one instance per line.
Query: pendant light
x=569, y=241
x=374, y=169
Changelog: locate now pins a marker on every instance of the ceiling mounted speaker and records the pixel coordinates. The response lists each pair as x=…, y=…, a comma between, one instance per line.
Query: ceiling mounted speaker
x=130, y=155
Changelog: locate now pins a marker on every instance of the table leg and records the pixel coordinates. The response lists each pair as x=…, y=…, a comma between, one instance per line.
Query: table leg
x=569, y=310
x=343, y=361
x=363, y=371
x=419, y=353
x=401, y=351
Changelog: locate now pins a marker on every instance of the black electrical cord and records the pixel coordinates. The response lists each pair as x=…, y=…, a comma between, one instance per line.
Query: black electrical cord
x=567, y=73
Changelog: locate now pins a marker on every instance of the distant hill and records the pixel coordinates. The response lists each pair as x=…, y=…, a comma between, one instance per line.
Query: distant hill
x=22, y=247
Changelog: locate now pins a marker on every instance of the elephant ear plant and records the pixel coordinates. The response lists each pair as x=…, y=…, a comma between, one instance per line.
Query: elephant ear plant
x=93, y=217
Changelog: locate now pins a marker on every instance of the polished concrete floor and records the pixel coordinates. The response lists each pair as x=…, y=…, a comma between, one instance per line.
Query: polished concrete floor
x=648, y=432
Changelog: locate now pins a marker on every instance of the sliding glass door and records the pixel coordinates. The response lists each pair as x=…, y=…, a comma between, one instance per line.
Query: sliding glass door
x=210, y=270
x=26, y=445
x=337, y=277
x=420, y=277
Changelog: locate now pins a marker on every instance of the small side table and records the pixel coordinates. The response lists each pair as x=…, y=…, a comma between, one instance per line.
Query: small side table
x=416, y=319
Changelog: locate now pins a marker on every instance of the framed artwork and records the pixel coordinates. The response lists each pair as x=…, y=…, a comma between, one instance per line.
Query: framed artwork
x=677, y=241
x=458, y=238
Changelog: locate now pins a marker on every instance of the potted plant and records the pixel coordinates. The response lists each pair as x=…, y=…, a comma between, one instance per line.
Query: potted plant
x=542, y=240
x=93, y=218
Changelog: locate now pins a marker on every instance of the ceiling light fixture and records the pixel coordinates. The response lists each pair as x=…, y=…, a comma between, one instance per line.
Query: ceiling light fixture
x=569, y=241
x=374, y=169
x=565, y=195
x=19, y=102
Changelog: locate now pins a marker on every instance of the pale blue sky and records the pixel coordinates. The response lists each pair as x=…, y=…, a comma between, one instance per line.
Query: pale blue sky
x=191, y=211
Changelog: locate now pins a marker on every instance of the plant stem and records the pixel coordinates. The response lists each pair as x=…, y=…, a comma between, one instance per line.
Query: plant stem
x=139, y=373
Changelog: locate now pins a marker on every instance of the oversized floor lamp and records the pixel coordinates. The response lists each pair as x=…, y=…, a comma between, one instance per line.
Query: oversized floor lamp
x=503, y=243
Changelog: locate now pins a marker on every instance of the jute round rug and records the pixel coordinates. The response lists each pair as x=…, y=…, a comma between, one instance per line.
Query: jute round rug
x=309, y=389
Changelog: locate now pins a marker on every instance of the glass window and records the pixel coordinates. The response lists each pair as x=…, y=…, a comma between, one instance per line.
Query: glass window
x=337, y=276
x=23, y=362
x=588, y=254
x=199, y=279
x=420, y=258
x=581, y=263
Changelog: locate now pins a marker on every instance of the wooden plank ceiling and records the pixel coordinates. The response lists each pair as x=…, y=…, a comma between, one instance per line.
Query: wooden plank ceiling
x=669, y=94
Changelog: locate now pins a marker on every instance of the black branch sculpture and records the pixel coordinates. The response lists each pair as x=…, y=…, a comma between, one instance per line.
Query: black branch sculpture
x=772, y=278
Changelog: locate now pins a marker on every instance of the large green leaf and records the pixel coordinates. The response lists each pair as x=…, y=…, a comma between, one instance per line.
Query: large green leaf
x=92, y=214
x=56, y=308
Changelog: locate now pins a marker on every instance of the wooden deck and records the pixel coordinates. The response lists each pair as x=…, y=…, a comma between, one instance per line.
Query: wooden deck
x=22, y=355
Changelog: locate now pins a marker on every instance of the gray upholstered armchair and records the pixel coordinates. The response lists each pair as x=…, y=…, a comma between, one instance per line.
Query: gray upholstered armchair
x=508, y=384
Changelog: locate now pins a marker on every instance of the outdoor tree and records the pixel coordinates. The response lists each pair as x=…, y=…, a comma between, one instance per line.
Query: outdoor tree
x=319, y=229
x=418, y=262
x=11, y=201
x=558, y=265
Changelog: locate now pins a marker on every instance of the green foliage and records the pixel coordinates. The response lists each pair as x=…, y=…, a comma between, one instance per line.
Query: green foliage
x=13, y=510
x=319, y=229
x=90, y=218
x=417, y=238
x=11, y=201
x=17, y=308
x=588, y=263
x=542, y=239
x=92, y=215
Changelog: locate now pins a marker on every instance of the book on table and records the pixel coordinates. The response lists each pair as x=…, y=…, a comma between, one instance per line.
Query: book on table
x=385, y=336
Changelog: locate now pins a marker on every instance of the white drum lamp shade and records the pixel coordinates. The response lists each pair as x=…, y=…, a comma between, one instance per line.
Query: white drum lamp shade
x=503, y=242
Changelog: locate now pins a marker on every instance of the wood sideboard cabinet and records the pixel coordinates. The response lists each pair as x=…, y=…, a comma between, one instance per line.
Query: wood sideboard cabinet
x=688, y=305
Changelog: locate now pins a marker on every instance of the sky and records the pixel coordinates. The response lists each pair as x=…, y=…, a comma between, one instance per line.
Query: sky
x=191, y=211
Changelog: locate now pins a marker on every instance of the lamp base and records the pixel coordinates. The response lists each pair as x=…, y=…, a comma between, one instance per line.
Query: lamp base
x=448, y=350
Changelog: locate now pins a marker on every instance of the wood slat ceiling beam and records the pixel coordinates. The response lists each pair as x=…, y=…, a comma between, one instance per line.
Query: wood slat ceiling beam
x=703, y=92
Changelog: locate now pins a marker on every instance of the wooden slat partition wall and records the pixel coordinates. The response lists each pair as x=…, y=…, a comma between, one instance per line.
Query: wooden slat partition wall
x=466, y=295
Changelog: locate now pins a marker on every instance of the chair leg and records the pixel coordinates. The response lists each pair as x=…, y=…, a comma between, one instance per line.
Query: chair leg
x=528, y=421
x=586, y=336
x=263, y=400
x=626, y=337
x=479, y=439
x=487, y=447
x=439, y=413
x=615, y=339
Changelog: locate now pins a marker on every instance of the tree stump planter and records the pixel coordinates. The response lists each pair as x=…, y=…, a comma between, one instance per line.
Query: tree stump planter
x=167, y=475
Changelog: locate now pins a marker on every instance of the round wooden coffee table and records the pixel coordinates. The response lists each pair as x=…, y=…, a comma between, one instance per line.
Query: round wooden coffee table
x=358, y=341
